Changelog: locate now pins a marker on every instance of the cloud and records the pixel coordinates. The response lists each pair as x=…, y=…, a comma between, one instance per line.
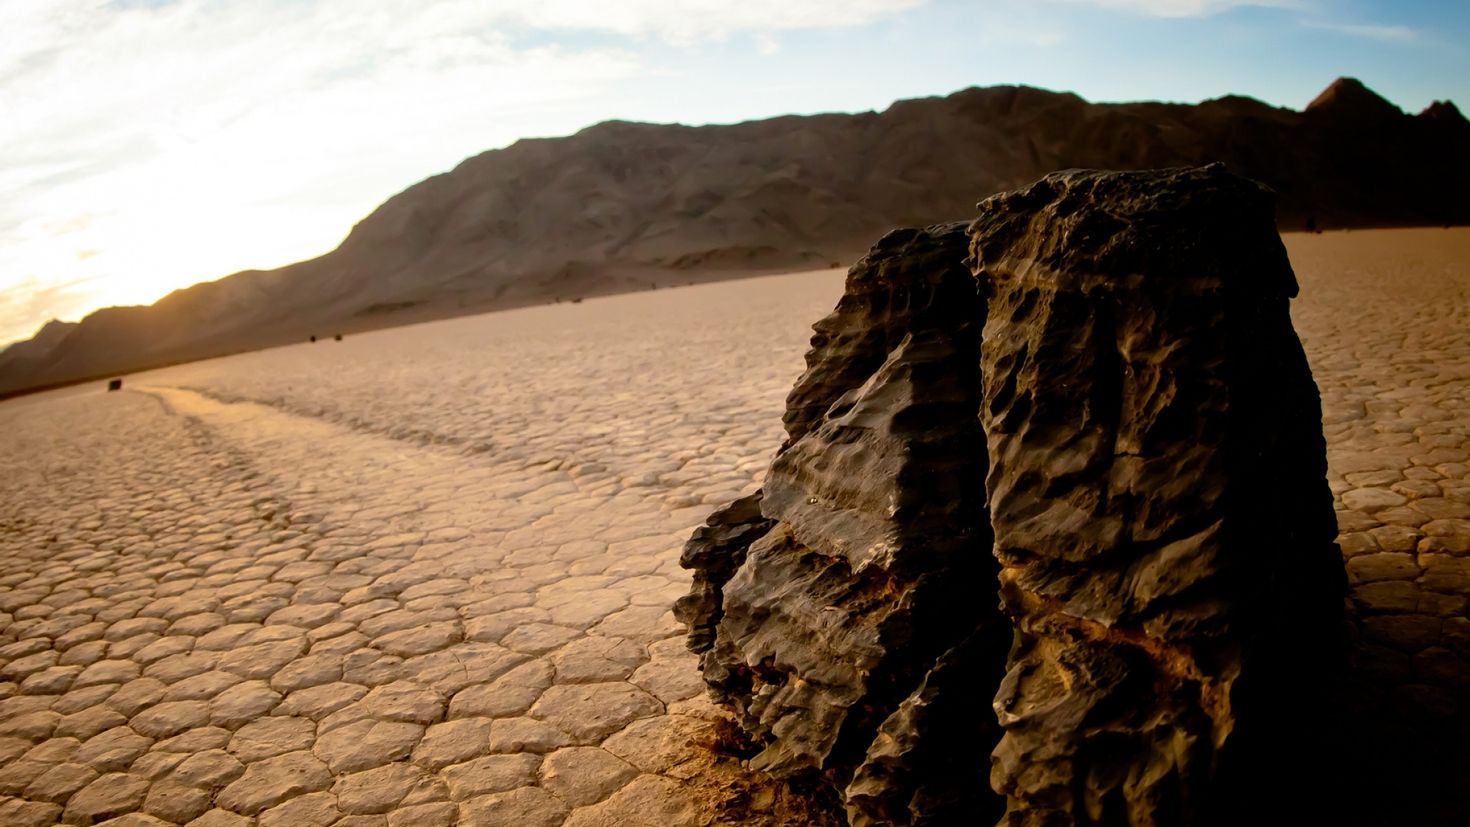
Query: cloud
x=1399, y=35
x=207, y=136
x=693, y=20
x=1184, y=8
x=1005, y=32
x=32, y=303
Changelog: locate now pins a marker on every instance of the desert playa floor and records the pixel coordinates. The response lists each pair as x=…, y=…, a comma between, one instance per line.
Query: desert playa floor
x=422, y=576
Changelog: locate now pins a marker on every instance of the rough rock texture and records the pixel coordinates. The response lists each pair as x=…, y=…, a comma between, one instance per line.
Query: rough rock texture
x=1158, y=494
x=715, y=551
x=838, y=613
x=928, y=763
x=1113, y=354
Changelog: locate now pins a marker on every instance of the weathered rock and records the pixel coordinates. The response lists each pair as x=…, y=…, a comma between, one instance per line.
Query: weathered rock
x=715, y=551
x=1157, y=489
x=1100, y=384
x=878, y=560
x=927, y=766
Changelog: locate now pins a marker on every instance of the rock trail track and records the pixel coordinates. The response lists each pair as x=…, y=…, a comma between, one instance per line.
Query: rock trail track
x=422, y=576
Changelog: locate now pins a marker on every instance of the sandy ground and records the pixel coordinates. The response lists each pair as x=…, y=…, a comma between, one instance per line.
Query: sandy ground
x=421, y=576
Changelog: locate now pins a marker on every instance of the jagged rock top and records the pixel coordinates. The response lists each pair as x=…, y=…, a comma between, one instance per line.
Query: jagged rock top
x=881, y=422
x=1446, y=116
x=870, y=318
x=1105, y=229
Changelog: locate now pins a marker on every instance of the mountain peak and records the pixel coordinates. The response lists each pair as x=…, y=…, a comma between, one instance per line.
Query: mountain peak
x=1349, y=97
x=54, y=331
x=1443, y=112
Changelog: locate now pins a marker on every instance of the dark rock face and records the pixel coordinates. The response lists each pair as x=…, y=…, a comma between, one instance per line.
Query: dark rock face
x=873, y=541
x=1090, y=408
x=929, y=762
x=1158, y=495
x=715, y=551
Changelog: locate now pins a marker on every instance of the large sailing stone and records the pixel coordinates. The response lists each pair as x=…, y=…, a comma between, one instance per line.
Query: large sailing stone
x=1062, y=480
x=1158, y=496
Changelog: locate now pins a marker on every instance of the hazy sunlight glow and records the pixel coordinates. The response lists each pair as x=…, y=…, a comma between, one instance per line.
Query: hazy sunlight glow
x=155, y=145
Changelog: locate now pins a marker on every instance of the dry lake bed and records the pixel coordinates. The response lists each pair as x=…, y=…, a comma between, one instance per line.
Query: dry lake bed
x=422, y=576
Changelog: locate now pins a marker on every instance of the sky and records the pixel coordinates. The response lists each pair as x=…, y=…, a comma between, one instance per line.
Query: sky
x=146, y=145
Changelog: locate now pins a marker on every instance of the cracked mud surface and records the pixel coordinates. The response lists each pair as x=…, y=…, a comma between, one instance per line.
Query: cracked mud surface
x=422, y=576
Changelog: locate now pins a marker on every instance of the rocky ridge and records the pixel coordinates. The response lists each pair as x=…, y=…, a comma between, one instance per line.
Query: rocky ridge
x=628, y=206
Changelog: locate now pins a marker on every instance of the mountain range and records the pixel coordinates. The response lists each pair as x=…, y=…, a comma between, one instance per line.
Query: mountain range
x=625, y=206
